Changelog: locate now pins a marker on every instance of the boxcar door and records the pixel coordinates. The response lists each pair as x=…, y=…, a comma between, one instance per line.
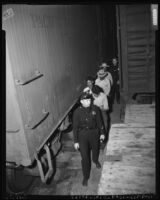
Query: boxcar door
x=136, y=41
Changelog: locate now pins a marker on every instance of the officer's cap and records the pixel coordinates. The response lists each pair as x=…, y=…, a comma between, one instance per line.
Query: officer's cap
x=85, y=95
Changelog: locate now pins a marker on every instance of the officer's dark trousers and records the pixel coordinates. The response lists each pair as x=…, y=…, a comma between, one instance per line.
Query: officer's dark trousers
x=88, y=140
x=115, y=93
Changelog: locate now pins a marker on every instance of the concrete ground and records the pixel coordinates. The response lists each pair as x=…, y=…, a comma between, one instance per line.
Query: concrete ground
x=129, y=164
x=68, y=176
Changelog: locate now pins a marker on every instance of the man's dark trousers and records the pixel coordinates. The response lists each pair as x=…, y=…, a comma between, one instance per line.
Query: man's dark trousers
x=88, y=139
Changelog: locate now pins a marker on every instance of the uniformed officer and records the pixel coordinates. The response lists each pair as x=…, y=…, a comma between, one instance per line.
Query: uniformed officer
x=114, y=69
x=88, y=130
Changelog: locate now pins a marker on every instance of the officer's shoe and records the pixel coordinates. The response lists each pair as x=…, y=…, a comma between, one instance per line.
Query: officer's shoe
x=85, y=182
x=98, y=165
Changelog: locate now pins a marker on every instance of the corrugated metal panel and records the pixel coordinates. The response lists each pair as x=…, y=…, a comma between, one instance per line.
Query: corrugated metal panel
x=137, y=48
x=52, y=49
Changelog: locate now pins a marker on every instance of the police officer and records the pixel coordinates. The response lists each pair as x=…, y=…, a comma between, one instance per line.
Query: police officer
x=114, y=69
x=87, y=131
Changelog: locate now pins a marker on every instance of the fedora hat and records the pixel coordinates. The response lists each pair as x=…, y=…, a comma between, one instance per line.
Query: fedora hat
x=104, y=65
x=101, y=73
x=85, y=95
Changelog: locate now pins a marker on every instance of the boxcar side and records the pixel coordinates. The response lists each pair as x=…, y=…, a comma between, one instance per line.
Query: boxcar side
x=51, y=49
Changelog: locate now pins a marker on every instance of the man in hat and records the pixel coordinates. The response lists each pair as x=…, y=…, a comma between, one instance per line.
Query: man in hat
x=88, y=130
x=106, y=68
x=103, y=81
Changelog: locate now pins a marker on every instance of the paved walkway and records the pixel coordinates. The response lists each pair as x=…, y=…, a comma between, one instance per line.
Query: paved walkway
x=129, y=157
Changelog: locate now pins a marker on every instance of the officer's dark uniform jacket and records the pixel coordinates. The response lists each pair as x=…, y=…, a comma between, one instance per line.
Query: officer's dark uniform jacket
x=115, y=89
x=87, y=119
x=114, y=72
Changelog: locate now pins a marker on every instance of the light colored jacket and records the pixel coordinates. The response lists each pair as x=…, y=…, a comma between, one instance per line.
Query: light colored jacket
x=104, y=84
x=109, y=76
x=101, y=101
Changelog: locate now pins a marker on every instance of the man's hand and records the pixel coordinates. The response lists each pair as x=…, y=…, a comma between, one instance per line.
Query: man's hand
x=102, y=137
x=76, y=146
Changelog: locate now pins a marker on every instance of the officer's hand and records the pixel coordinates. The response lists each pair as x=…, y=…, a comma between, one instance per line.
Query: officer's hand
x=76, y=146
x=102, y=137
